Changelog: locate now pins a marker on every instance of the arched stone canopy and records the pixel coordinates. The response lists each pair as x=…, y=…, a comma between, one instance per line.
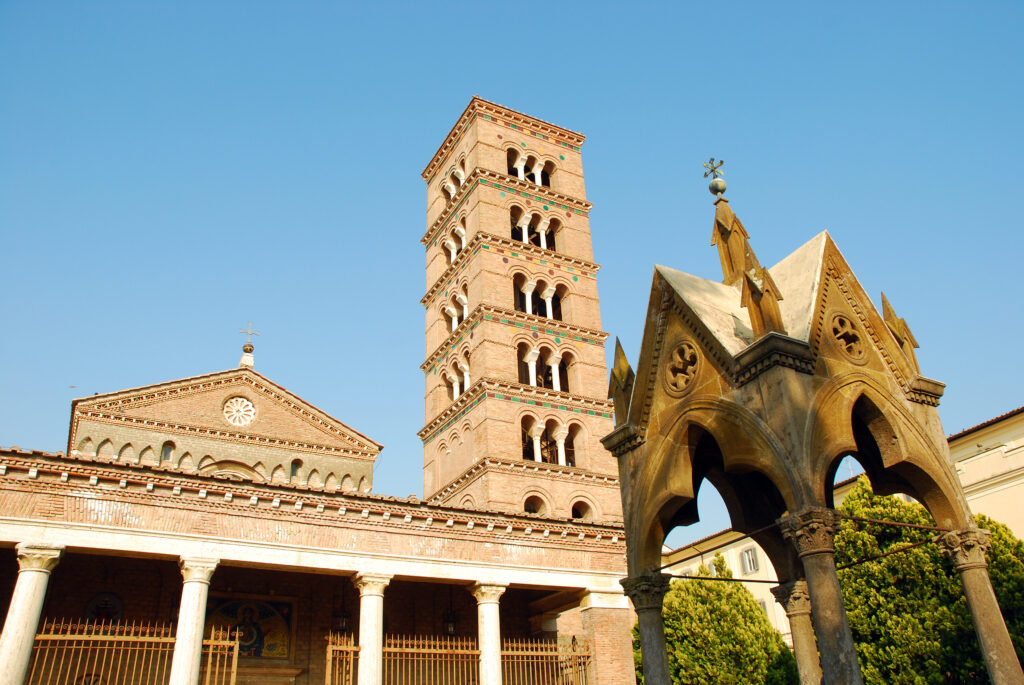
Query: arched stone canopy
x=764, y=405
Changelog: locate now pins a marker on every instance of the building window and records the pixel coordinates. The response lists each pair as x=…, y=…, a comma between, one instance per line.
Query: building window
x=296, y=465
x=748, y=559
x=167, y=451
x=764, y=607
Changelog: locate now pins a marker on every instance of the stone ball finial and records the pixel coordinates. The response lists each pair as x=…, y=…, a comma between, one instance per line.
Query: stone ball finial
x=717, y=186
x=248, y=348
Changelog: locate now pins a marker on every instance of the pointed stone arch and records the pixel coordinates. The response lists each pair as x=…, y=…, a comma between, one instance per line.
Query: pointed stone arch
x=86, y=447
x=347, y=484
x=314, y=480
x=148, y=456
x=186, y=463
x=105, y=450
x=279, y=475
x=331, y=482
x=364, y=484
x=127, y=454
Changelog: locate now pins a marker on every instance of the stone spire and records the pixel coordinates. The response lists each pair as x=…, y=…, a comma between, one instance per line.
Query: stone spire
x=901, y=331
x=740, y=266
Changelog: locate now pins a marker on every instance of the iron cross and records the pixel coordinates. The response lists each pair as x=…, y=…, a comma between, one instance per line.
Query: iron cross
x=713, y=168
x=249, y=333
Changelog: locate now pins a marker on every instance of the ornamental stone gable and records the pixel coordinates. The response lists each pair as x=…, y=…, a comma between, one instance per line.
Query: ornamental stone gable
x=236, y=423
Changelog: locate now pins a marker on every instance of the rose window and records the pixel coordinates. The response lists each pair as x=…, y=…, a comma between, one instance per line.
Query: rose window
x=239, y=411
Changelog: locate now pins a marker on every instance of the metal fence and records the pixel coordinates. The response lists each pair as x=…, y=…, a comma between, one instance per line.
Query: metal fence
x=545, y=662
x=98, y=653
x=342, y=659
x=430, y=660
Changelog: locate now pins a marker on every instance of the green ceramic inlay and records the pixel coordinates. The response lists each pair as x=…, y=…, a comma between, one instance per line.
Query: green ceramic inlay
x=503, y=195
x=547, y=406
x=533, y=328
x=557, y=339
x=486, y=247
x=575, y=278
x=541, y=261
x=545, y=207
x=561, y=156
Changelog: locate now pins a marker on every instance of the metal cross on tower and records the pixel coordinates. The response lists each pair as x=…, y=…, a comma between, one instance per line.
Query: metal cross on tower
x=249, y=332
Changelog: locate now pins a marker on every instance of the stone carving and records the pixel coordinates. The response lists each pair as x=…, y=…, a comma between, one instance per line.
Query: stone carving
x=794, y=597
x=488, y=594
x=197, y=570
x=812, y=531
x=682, y=367
x=38, y=557
x=846, y=336
x=239, y=411
x=371, y=584
x=966, y=548
x=647, y=591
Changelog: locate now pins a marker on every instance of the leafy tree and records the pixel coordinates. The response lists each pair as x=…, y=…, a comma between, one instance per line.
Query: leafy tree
x=717, y=633
x=907, y=611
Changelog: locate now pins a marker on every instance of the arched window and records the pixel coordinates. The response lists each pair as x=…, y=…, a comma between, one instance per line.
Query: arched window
x=526, y=426
x=167, y=451
x=534, y=505
x=570, y=444
x=512, y=157
x=293, y=472
x=563, y=371
x=556, y=302
x=545, y=375
x=548, y=444
x=552, y=232
x=539, y=307
x=546, y=173
x=518, y=292
x=581, y=511
x=522, y=350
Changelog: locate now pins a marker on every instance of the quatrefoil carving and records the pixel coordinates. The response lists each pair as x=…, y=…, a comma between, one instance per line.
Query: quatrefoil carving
x=847, y=337
x=682, y=367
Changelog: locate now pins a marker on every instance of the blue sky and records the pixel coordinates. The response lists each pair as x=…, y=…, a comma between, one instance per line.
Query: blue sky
x=170, y=171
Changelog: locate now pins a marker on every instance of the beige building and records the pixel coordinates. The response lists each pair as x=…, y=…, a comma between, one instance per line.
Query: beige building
x=225, y=501
x=989, y=458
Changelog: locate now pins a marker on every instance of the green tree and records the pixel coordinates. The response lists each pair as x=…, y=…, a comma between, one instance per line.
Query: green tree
x=717, y=633
x=907, y=611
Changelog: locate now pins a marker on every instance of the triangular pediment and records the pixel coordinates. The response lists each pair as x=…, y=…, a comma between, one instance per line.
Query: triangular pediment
x=238, y=405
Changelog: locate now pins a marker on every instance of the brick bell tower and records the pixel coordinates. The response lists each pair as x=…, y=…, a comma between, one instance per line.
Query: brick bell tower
x=516, y=384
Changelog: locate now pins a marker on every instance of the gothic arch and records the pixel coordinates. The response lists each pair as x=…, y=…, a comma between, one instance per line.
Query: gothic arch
x=855, y=416
x=105, y=449
x=347, y=484
x=127, y=454
x=331, y=482
x=229, y=468
x=186, y=463
x=278, y=475
x=86, y=446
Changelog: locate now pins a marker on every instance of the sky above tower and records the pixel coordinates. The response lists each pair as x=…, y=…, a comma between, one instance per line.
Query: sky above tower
x=171, y=171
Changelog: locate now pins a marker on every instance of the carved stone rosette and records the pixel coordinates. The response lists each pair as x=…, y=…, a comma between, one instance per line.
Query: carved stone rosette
x=966, y=548
x=488, y=594
x=197, y=570
x=38, y=556
x=647, y=590
x=812, y=531
x=370, y=584
x=794, y=597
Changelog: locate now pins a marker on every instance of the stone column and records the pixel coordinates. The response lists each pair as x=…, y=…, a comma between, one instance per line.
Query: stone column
x=450, y=187
x=456, y=391
x=35, y=561
x=796, y=600
x=553, y=361
x=542, y=230
x=464, y=302
x=464, y=368
x=454, y=314
x=489, y=627
x=812, y=531
x=966, y=549
x=524, y=226
x=535, y=434
x=452, y=252
x=520, y=168
x=461, y=233
x=527, y=292
x=371, y=627
x=547, y=295
x=531, y=363
x=560, y=435
x=188, y=638
x=647, y=592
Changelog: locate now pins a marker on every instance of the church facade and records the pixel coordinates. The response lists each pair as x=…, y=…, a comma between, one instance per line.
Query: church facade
x=226, y=500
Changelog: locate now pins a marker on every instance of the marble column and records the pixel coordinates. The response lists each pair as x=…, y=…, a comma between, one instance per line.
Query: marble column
x=371, y=627
x=812, y=532
x=535, y=434
x=489, y=627
x=796, y=600
x=966, y=549
x=560, y=435
x=647, y=592
x=35, y=561
x=188, y=638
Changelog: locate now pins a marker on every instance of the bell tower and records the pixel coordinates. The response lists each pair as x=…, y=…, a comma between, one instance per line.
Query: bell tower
x=516, y=390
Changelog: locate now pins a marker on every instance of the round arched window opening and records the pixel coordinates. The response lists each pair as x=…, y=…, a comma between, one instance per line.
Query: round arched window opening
x=581, y=511
x=534, y=505
x=295, y=466
x=167, y=451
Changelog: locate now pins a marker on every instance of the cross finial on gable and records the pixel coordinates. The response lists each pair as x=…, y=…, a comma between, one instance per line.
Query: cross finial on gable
x=249, y=332
x=247, y=358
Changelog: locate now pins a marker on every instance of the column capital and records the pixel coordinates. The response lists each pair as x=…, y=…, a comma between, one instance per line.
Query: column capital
x=794, y=597
x=487, y=593
x=561, y=434
x=548, y=292
x=38, y=556
x=529, y=286
x=197, y=570
x=370, y=584
x=966, y=547
x=646, y=590
x=812, y=530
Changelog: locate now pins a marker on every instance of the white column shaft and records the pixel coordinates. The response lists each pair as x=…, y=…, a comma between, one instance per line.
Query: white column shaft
x=536, y=447
x=489, y=635
x=188, y=637
x=555, y=380
x=532, y=364
x=455, y=387
x=561, y=451
x=35, y=563
x=548, y=307
x=371, y=628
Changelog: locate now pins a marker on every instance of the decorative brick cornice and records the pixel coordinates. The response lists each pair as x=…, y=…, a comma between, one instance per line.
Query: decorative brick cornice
x=555, y=471
x=530, y=126
x=488, y=241
x=529, y=322
x=54, y=477
x=493, y=388
x=507, y=184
